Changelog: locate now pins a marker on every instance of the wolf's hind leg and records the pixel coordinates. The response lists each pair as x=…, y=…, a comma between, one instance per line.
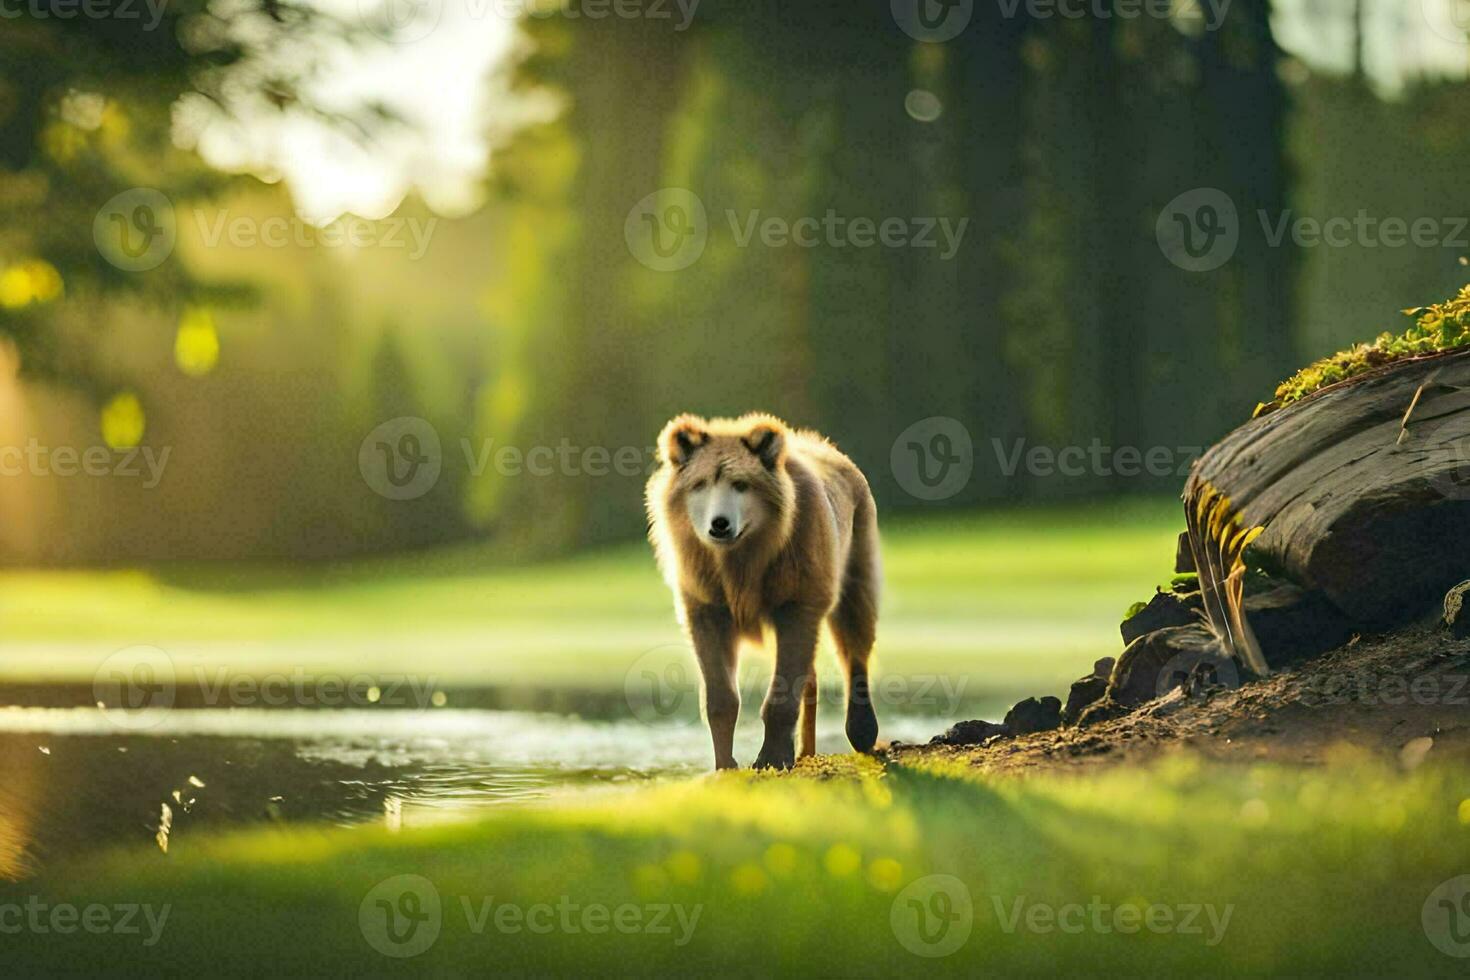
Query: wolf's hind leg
x=854, y=624
x=854, y=647
x=809, y=718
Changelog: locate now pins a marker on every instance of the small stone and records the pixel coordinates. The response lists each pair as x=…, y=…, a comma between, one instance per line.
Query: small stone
x=1455, y=616
x=1084, y=692
x=1293, y=624
x=1183, y=555
x=1162, y=660
x=974, y=732
x=1104, y=709
x=1035, y=715
x=1164, y=610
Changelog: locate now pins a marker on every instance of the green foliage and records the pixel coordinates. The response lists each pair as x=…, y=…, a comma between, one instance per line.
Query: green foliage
x=1439, y=327
x=90, y=108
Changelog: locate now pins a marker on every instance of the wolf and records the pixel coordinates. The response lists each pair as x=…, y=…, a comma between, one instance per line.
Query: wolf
x=762, y=529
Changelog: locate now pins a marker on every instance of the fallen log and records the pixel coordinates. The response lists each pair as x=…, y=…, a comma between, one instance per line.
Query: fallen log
x=1359, y=491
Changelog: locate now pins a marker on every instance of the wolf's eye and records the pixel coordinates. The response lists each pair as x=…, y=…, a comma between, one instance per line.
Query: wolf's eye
x=698, y=485
x=740, y=486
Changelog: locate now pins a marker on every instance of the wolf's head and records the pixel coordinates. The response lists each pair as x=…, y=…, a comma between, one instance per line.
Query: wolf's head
x=728, y=477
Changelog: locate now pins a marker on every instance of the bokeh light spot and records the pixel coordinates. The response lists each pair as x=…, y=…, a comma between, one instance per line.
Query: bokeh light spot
x=196, y=347
x=123, y=421
x=31, y=281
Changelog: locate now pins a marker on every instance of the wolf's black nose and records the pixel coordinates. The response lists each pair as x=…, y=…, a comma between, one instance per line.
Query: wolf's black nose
x=719, y=527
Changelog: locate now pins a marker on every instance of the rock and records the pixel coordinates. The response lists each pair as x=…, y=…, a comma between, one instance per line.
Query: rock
x=1292, y=624
x=1154, y=664
x=1086, y=690
x=1083, y=693
x=1183, y=557
x=1455, y=615
x=1034, y=715
x=1165, y=609
x=1105, y=709
x=970, y=733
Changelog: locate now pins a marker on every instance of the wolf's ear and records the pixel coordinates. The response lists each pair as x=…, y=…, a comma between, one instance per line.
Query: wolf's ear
x=680, y=438
x=767, y=439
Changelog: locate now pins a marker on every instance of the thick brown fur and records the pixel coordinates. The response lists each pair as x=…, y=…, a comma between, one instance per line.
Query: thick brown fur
x=813, y=558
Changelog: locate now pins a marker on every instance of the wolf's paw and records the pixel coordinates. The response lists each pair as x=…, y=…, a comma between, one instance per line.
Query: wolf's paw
x=862, y=727
x=775, y=757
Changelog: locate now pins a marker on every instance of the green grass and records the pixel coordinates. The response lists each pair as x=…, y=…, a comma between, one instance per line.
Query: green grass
x=1283, y=870
x=1316, y=872
x=1016, y=600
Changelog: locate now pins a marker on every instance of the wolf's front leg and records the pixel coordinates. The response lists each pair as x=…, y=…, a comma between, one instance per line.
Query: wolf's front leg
x=713, y=633
x=796, y=649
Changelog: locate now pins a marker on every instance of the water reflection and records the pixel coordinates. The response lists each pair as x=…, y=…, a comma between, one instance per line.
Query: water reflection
x=72, y=781
x=96, y=788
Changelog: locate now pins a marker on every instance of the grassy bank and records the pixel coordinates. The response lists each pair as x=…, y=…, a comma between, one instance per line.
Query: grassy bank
x=1018, y=600
x=1180, y=868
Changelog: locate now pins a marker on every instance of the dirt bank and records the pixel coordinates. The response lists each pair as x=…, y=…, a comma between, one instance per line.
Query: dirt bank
x=1404, y=695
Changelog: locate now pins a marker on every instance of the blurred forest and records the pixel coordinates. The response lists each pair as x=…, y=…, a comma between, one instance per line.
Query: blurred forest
x=529, y=322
